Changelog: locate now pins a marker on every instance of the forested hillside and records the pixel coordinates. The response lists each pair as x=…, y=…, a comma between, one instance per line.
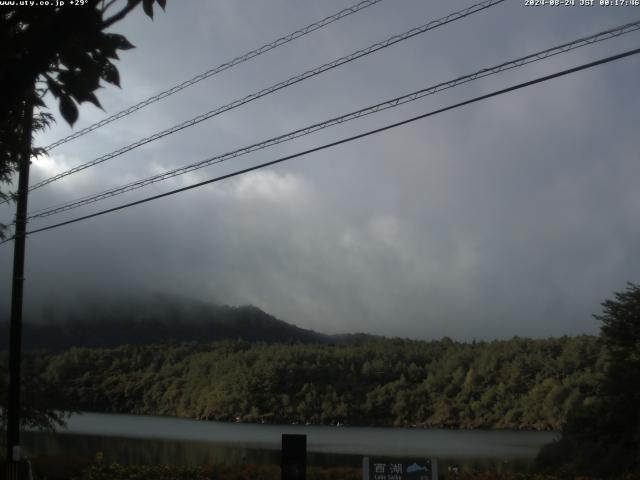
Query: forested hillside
x=519, y=383
x=154, y=319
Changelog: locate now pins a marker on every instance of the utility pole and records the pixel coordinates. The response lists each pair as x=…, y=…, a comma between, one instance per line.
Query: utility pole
x=15, y=338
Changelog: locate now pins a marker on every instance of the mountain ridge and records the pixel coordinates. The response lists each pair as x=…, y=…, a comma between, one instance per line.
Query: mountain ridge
x=160, y=319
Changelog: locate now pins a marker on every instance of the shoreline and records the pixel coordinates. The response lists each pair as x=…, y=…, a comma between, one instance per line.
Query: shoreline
x=445, y=428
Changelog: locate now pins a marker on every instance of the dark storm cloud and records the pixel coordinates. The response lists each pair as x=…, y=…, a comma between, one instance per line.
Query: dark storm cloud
x=515, y=216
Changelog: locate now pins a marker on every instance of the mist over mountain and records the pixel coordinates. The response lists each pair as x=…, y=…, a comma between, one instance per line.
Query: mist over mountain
x=155, y=318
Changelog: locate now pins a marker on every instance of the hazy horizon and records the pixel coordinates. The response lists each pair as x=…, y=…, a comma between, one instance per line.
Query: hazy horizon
x=515, y=216
x=102, y=309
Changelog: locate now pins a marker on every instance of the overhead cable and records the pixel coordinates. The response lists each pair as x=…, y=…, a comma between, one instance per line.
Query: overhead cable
x=278, y=86
x=220, y=68
x=534, y=57
x=345, y=140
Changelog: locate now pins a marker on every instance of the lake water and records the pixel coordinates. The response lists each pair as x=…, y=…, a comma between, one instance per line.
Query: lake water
x=146, y=439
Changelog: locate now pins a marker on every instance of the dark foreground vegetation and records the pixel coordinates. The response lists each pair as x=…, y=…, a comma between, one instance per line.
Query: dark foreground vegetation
x=267, y=472
x=602, y=436
x=220, y=472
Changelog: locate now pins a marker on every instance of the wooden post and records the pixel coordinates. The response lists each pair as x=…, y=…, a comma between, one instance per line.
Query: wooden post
x=294, y=457
x=15, y=336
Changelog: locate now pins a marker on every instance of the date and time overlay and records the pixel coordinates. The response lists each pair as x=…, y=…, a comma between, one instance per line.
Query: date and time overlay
x=526, y=3
x=582, y=3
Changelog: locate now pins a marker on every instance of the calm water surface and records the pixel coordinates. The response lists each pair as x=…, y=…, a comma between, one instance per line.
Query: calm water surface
x=146, y=439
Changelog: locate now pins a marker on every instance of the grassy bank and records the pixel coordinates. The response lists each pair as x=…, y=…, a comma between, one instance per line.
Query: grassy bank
x=79, y=469
x=75, y=469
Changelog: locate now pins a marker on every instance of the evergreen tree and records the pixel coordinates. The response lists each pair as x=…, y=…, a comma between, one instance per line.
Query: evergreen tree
x=602, y=436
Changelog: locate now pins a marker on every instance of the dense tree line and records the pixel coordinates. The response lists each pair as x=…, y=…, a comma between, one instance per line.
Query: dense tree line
x=518, y=383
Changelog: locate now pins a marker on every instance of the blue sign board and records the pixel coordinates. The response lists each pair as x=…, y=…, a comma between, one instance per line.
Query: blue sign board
x=384, y=468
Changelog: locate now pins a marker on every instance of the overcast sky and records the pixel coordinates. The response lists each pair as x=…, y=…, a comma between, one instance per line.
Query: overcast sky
x=514, y=216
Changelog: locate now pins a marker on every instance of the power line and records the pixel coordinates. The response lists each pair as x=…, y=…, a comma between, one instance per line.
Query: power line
x=345, y=140
x=534, y=57
x=220, y=68
x=278, y=86
x=9, y=238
